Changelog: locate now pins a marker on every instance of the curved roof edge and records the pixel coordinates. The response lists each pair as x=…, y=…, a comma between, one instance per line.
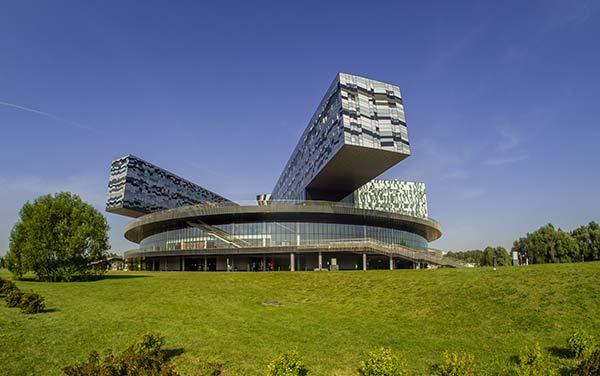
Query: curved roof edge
x=154, y=223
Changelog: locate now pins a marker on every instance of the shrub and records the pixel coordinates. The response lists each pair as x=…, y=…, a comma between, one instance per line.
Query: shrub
x=455, y=364
x=382, y=362
x=580, y=344
x=287, y=364
x=32, y=303
x=13, y=298
x=143, y=358
x=533, y=363
x=6, y=286
x=589, y=366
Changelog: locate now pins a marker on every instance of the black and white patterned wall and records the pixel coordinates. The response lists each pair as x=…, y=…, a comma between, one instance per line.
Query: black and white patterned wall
x=137, y=187
x=394, y=196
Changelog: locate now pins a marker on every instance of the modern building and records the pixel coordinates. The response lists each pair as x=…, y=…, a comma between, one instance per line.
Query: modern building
x=327, y=209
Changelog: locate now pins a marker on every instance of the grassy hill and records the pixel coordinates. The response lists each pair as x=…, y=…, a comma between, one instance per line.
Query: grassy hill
x=332, y=319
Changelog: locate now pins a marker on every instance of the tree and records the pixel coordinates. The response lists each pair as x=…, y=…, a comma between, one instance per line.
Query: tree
x=588, y=239
x=472, y=256
x=500, y=253
x=57, y=237
x=548, y=245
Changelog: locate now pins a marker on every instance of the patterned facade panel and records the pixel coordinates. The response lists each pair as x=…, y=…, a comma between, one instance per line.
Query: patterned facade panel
x=373, y=114
x=355, y=111
x=264, y=199
x=393, y=196
x=137, y=187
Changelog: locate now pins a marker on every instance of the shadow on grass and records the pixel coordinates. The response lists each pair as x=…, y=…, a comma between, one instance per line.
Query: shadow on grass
x=559, y=352
x=91, y=279
x=121, y=276
x=50, y=310
x=171, y=353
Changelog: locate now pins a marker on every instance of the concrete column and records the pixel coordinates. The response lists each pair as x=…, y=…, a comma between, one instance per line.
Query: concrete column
x=292, y=262
x=364, y=261
x=391, y=263
x=205, y=263
x=264, y=263
x=320, y=261
x=182, y=264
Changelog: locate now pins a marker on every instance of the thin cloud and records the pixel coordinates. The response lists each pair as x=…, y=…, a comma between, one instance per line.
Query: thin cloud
x=508, y=139
x=503, y=160
x=457, y=174
x=47, y=115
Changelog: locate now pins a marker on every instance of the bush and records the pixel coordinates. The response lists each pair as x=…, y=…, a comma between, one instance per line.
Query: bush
x=455, y=364
x=580, y=344
x=13, y=298
x=382, y=362
x=590, y=366
x=6, y=286
x=287, y=364
x=533, y=363
x=32, y=303
x=143, y=358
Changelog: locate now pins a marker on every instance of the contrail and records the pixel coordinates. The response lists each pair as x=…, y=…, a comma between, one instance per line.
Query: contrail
x=46, y=114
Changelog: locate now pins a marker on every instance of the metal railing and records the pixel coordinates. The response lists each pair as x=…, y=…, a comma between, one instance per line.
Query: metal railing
x=334, y=245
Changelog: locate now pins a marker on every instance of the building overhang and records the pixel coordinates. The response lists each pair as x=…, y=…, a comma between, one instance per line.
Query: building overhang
x=351, y=167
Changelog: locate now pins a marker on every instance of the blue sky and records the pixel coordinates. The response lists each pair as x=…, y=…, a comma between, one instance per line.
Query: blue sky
x=501, y=98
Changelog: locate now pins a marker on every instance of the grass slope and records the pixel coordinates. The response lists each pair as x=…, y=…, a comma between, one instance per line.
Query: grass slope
x=333, y=319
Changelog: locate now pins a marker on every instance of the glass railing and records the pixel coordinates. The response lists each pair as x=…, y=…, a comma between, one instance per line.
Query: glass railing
x=294, y=202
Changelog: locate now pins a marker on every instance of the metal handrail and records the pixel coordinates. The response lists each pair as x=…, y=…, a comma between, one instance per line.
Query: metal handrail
x=426, y=255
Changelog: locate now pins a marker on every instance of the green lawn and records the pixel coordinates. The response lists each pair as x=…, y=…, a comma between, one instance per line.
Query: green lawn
x=332, y=319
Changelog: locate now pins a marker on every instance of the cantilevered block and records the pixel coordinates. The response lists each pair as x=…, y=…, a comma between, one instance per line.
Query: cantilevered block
x=358, y=132
x=137, y=187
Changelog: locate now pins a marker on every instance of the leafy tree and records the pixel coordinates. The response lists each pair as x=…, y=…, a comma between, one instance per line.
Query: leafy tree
x=548, y=245
x=588, y=239
x=473, y=256
x=57, y=237
x=500, y=253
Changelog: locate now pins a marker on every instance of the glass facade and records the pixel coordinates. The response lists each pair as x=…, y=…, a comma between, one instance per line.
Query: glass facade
x=273, y=234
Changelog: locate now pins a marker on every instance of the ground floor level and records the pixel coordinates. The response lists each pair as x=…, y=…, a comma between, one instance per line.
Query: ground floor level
x=275, y=262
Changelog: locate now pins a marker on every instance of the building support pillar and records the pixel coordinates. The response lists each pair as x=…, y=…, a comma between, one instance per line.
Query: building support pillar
x=205, y=263
x=292, y=262
x=391, y=263
x=181, y=264
x=264, y=266
x=364, y=261
x=320, y=261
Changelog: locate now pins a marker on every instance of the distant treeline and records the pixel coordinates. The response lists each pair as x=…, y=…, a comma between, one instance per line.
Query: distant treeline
x=545, y=245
